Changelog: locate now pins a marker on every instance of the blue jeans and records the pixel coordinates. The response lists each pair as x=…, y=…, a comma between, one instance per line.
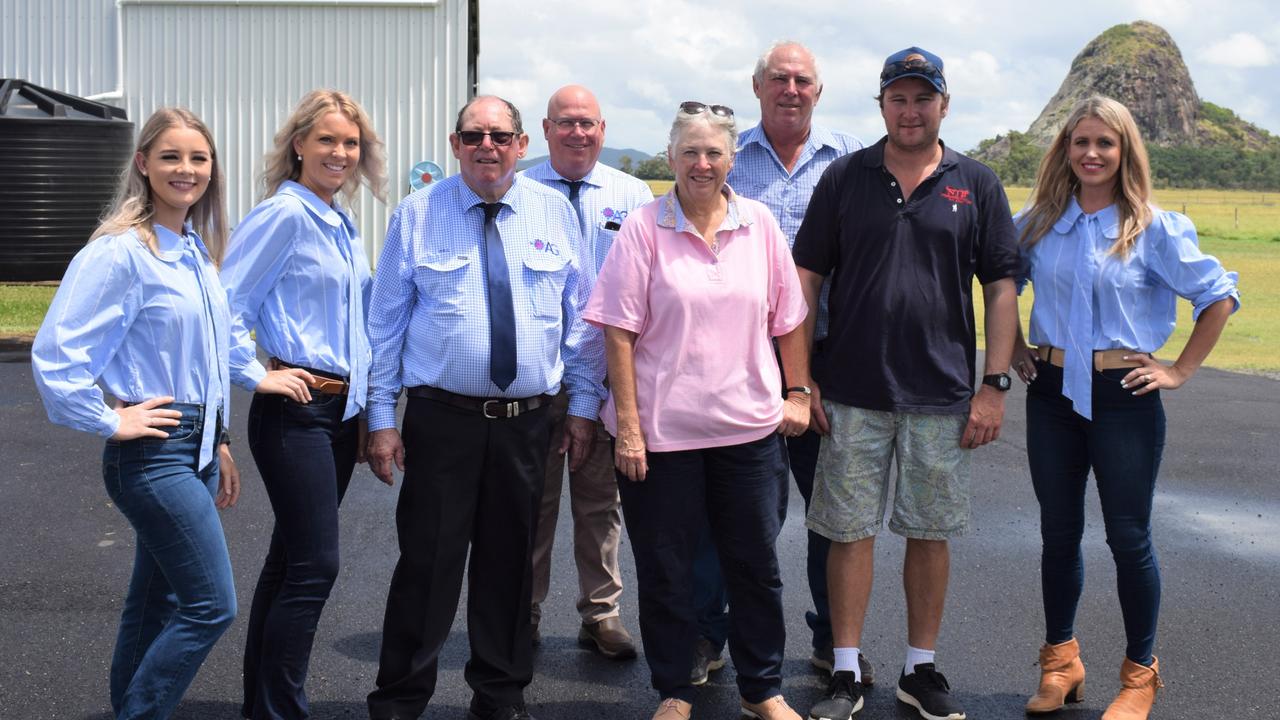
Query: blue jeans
x=305, y=454
x=710, y=598
x=181, y=597
x=1122, y=444
x=733, y=490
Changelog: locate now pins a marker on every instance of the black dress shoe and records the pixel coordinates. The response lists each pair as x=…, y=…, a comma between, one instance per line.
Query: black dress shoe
x=507, y=712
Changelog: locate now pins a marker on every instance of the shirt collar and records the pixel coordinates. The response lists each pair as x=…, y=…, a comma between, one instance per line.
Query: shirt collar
x=313, y=203
x=170, y=246
x=670, y=215
x=873, y=156
x=470, y=199
x=548, y=171
x=1107, y=219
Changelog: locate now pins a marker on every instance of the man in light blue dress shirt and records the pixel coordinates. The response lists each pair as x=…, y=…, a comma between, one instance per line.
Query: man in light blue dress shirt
x=476, y=315
x=778, y=162
x=602, y=197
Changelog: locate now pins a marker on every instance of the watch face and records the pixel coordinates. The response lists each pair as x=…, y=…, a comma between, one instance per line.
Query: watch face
x=999, y=382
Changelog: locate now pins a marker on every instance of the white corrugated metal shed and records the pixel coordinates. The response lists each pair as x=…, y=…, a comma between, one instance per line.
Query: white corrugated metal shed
x=241, y=65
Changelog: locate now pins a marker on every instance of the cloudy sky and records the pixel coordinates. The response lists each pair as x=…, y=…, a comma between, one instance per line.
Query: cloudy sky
x=1004, y=60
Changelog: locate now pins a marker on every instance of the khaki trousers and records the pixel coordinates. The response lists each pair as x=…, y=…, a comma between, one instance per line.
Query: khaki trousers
x=597, y=523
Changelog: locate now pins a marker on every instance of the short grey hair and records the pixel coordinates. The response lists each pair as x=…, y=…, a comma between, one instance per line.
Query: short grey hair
x=516, y=123
x=684, y=121
x=763, y=63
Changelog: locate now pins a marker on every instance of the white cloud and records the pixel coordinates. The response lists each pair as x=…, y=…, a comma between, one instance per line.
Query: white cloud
x=1240, y=50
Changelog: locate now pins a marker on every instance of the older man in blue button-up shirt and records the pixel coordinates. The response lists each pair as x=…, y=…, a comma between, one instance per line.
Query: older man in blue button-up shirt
x=475, y=438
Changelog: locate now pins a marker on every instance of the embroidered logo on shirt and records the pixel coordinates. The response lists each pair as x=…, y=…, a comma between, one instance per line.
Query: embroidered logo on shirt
x=545, y=246
x=956, y=195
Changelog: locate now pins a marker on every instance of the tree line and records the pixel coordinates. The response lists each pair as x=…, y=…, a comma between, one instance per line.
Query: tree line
x=1217, y=167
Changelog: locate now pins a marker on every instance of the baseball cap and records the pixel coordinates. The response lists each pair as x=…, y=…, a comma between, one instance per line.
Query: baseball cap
x=914, y=62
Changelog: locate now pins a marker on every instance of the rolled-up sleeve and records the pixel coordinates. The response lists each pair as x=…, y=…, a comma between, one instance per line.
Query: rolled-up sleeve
x=1179, y=265
x=85, y=326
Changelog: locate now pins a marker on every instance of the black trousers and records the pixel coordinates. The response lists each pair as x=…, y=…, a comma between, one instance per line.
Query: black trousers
x=468, y=482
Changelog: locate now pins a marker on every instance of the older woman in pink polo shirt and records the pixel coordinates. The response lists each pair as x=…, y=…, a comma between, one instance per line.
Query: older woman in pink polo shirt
x=695, y=287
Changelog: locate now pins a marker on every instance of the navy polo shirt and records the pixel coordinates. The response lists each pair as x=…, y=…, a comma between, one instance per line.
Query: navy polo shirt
x=902, y=335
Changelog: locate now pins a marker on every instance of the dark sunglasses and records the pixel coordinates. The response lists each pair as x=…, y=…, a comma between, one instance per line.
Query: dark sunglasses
x=693, y=107
x=501, y=138
x=912, y=65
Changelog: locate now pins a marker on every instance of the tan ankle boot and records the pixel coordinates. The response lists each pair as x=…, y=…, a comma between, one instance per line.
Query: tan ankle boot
x=1138, y=685
x=1061, y=678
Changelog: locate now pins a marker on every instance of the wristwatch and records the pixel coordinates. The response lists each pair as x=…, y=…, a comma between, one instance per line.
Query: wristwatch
x=999, y=381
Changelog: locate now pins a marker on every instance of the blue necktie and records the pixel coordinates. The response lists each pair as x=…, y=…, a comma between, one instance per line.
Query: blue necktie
x=357, y=346
x=575, y=187
x=502, y=314
x=1077, y=370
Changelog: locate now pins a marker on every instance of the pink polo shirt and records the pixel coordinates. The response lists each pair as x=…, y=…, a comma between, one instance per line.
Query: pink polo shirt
x=706, y=375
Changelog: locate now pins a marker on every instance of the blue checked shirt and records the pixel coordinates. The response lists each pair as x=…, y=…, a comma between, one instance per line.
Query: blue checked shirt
x=758, y=174
x=429, y=316
x=606, y=197
x=1132, y=300
x=296, y=274
x=143, y=326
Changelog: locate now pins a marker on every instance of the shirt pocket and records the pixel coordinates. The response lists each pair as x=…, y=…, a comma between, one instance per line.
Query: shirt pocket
x=441, y=280
x=545, y=275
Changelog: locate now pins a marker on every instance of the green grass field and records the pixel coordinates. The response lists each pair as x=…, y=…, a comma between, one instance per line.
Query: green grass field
x=1242, y=229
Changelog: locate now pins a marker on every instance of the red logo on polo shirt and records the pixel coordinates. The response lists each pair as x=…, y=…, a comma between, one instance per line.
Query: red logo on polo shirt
x=956, y=195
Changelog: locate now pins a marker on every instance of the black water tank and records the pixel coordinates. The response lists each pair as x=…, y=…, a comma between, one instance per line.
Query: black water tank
x=60, y=159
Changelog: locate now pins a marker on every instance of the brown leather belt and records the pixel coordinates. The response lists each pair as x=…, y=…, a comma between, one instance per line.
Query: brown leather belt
x=1102, y=359
x=492, y=408
x=324, y=382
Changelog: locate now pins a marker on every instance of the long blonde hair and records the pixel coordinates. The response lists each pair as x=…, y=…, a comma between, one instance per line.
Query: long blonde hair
x=133, y=208
x=1056, y=182
x=282, y=162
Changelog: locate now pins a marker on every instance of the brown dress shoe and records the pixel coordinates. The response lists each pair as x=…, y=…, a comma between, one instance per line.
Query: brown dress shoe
x=1061, y=678
x=1138, y=685
x=609, y=638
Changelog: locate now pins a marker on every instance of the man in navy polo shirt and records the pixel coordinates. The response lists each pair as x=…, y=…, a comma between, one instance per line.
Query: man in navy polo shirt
x=903, y=227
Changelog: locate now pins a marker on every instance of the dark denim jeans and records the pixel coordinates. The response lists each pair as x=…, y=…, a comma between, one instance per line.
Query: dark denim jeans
x=734, y=490
x=710, y=598
x=1122, y=445
x=181, y=596
x=305, y=454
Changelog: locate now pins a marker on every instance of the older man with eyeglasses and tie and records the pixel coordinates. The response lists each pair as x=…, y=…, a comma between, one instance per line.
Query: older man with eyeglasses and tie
x=696, y=287
x=476, y=315
x=602, y=197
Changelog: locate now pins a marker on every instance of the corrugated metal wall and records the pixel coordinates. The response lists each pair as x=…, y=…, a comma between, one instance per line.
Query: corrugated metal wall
x=241, y=65
x=67, y=45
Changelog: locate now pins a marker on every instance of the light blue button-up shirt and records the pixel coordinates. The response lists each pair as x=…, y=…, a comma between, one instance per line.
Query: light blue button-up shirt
x=296, y=273
x=1131, y=300
x=429, y=316
x=142, y=325
x=758, y=174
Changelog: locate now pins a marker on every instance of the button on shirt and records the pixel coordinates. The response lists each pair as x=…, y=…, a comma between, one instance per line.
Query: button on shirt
x=429, y=317
x=758, y=174
x=289, y=273
x=705, y=371
x=1134, y=297
x=143, y=324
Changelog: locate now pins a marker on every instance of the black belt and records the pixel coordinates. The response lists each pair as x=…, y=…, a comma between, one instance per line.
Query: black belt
x=492, y=408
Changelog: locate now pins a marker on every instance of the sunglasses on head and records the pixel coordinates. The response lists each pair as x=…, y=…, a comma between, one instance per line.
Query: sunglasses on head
x=501, y=138
x=693, y=107
x=910, y=65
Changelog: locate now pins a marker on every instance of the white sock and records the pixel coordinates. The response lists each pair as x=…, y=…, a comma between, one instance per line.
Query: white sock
x=847, y=661
x=916, y=656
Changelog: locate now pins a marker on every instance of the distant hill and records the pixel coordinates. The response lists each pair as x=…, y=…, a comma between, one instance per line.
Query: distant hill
x=1193, y=143
x=609, y=156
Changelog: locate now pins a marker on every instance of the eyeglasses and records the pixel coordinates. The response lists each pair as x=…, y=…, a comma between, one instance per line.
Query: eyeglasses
x=568, y=124
x=693, y=107
x=910, y=65
x=501, y=138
